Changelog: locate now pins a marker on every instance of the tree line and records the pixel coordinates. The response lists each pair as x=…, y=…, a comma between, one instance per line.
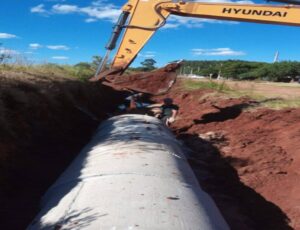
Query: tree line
x=244, y=70
x=231, y=69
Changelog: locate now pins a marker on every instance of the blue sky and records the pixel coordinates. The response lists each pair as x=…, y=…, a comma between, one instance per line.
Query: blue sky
x=71, y=31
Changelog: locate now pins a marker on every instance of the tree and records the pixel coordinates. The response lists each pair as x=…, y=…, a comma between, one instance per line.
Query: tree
x=96, y=62
x=148, y=64
x=83, y=70
x=83, y=65
x=4, y=54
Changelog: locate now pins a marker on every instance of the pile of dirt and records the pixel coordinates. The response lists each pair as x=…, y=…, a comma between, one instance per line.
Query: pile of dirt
x=44, y=122
x=156, y=82
x=246, y=157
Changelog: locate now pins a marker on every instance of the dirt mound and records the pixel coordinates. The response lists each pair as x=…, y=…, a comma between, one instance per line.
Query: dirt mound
x=156, y=82
x=248, y=159
x=44, y=123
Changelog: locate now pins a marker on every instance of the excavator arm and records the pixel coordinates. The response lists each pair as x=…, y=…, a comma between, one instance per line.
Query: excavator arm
x=148, y=16
x=145, y=17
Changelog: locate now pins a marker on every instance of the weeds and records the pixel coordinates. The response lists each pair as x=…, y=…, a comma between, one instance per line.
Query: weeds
x=77, y=71
x=279, y=103
x=195, y=84
x=225, y=90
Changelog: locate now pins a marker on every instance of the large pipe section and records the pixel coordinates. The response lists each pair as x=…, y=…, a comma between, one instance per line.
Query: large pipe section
x=132, y=175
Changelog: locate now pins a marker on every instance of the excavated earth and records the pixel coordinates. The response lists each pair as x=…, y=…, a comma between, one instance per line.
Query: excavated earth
x=155, y=82
x=246, y=157
x=45, y=120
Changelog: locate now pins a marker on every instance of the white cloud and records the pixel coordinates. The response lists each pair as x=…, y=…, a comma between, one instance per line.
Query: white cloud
x=217, y=52
x=177, y=21
x=35, y=46
x=7, y=36
x=89, y=20
x=102, y=10
x=64, y=9
x=40, y=9
x=98, y=10
x=60, y=58
x=58, y=47
x=7, y=51
x=147, y=54
x=171, y=25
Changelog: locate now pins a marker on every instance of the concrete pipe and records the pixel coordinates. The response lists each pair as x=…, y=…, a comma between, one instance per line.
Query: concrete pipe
x=132, y=175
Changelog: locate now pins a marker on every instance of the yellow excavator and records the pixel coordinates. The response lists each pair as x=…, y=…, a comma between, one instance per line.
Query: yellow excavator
x=142, y=18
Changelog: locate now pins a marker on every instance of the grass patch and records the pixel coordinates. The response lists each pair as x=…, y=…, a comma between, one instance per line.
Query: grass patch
x=279, y=103
x=272, y=103
x=80, y=72
x=221, y=87
x=196, y=84
x=282, y=84
x=245, y=93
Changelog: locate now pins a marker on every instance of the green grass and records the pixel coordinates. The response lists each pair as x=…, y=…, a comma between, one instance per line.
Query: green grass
x=282, y=84
x=273, y=103
x=196, y=84
x=52, y=69
x=279, y=103
x=225, y=90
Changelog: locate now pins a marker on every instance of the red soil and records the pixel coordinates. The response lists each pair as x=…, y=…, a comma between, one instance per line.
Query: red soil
x=44, y=122
x=155, y=82
x=248, y=160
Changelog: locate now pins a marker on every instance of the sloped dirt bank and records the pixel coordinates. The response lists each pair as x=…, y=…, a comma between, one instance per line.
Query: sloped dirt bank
x=247, y=158
x=44, y=123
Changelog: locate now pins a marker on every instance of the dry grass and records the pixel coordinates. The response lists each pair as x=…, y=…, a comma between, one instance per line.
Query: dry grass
x=49, y=70
x=235, y=91
x=196, y=84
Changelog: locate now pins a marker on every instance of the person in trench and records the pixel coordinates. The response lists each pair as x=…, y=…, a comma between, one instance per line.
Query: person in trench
x=167, y=111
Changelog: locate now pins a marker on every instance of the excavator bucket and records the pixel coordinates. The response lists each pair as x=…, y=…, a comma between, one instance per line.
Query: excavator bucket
x=156, y=82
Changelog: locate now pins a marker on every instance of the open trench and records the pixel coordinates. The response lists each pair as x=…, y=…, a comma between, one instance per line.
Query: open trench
x=45, y=123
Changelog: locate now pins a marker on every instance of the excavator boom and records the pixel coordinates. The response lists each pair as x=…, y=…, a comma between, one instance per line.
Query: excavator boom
x=145, y=17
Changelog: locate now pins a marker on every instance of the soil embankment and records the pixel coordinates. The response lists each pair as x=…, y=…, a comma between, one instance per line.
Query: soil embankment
x=44, y=122
x=247, y=158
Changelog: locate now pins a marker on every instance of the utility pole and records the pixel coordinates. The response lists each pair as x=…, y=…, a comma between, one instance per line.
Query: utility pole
x=276, y=57
x=220, y=72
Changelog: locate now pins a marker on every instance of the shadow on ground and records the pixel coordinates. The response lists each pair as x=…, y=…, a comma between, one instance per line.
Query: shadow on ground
x=44, y=123
x=242, y=207
x=223, y=114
